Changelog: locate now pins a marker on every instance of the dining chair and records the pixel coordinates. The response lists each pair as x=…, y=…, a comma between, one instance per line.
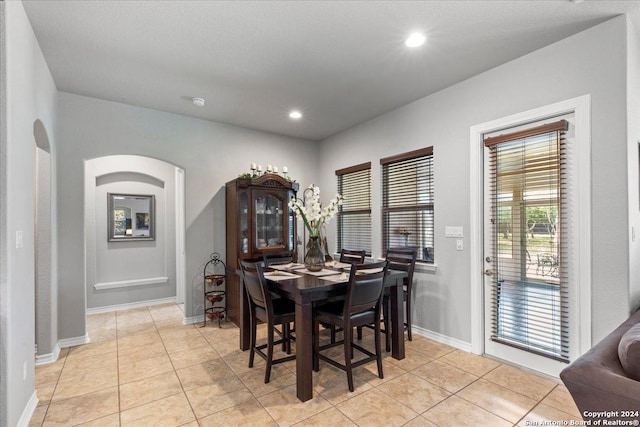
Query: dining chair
x=362, y=305
x=400, y=259
x=352, y=256
x=277, y=257
x=272, y=312
x=348, y=257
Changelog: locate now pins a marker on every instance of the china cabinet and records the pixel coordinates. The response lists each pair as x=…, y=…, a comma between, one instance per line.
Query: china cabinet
x=258, y=219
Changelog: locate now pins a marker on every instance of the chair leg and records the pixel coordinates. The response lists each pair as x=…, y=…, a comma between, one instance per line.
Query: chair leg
x=386, y=310
x=286, y=332
x=333, y=334
x=252, y=348
x=359, y=333
x=316, y=345
x=348, y=354
x=378, y=348
x=408, y=324
x=267, y=373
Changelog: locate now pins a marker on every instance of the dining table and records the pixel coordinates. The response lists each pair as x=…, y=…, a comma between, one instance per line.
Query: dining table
x=307, y=289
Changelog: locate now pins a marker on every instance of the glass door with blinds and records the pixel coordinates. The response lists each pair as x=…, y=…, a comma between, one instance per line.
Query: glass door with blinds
x=526, y=285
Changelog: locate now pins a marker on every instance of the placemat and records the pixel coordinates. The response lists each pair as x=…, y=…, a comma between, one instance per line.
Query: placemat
x=323, y=272
x=289, y=266
x=280, y=275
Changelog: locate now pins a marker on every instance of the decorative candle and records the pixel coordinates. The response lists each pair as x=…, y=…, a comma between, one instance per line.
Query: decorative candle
x=253, y=166
x=285, y=169
x=259, y=168
x=275, y=169
x=269, y=168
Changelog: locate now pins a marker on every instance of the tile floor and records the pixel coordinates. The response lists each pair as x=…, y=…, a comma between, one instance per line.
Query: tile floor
x=144, y=368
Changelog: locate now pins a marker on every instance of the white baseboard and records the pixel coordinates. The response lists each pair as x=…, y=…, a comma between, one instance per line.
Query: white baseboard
x=193, y=319
x=28, y=411
x=72, y=342
x=117, y=307
x=444, y=339
x=43, y=359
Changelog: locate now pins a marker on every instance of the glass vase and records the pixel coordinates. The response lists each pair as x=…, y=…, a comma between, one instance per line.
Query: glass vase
x=314, y=258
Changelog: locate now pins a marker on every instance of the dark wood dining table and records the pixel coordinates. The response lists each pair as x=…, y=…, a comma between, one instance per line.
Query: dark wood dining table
x=305, y=291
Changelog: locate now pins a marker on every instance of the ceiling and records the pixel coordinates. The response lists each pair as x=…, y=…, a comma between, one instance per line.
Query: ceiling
x=339, y=62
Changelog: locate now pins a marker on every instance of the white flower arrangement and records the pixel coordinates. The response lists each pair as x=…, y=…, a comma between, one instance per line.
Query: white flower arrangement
x=311, y=211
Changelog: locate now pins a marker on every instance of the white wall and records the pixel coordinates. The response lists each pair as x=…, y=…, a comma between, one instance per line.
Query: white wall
x=592, y=62
x=633, y=139
x=30, y=95
x=210, y=153
x=127, y=261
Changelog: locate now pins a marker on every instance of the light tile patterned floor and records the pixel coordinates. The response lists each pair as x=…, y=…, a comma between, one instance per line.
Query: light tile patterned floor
x=144, y=368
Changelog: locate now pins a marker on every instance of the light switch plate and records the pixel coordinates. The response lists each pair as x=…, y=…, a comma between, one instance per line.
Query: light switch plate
x=459, y=245
x=451, y=231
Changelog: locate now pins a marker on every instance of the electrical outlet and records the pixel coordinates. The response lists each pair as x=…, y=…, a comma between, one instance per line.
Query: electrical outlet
x=19, y=239
x=459, y=245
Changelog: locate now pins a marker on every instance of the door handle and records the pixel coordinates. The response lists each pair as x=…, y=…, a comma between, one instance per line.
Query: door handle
x=488, y=272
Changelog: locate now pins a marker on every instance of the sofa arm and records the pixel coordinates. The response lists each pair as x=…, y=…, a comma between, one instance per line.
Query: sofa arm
x=597, y=390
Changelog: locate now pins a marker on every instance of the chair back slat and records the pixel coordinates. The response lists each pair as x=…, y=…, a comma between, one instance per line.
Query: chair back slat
x=254, y=284
x=364, y=290
x=277, y=257
x=352, y=256
x=403, y=259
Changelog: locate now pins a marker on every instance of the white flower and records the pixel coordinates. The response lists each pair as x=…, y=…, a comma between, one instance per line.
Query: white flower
x=311, y=211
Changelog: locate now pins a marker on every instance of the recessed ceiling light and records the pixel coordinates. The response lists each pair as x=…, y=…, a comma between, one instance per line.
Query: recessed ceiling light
x=415, y=40
x=295, y=114
x=198, y=102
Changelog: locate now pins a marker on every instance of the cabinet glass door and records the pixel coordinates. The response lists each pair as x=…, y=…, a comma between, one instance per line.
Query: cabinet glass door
x=244, y=223
x=269, y=222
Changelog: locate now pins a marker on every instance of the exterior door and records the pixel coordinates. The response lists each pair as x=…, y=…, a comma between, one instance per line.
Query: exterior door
x=526, y=293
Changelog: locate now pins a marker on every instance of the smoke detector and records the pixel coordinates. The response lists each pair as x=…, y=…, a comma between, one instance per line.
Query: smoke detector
x=198, y=102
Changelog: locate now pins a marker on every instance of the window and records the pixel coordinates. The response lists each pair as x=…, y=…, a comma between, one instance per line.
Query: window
x=407, y=202
x=527, y=198
x=354, y=216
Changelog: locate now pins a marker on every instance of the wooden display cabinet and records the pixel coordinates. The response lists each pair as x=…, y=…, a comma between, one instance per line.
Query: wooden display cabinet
x=258, y=219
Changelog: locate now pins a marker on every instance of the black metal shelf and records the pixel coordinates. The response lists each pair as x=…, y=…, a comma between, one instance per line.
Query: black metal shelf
x=215, y=301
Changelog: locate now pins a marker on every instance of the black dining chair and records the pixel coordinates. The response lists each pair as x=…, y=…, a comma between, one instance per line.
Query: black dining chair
x=400, y=259
x=352, y=256
x=277, y=257
x=271, y=311
x=361, y=306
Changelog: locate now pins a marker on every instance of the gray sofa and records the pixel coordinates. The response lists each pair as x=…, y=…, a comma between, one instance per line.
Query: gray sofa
x=598, y=383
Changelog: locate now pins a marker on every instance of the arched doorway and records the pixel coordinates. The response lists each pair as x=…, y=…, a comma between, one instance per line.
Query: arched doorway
x=46, y=331
x=129, y=273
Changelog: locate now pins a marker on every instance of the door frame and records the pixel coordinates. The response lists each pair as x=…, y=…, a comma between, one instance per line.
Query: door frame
x=580, y=321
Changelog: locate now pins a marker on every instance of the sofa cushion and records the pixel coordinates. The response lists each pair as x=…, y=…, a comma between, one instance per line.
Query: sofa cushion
x=629, y=352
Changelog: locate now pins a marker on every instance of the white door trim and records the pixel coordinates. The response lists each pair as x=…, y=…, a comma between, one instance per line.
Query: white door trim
x=581, y=107
x=181, y=269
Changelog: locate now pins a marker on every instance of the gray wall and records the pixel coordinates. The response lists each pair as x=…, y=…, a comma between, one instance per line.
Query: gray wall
x=592, y=62
x=210, y=153
x=129, y=260
x=30, y=95
x=633, y=138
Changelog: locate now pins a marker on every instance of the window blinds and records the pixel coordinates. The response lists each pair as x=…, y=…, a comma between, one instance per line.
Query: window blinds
x=354, y=216
x=407, y=202
x=528, y=199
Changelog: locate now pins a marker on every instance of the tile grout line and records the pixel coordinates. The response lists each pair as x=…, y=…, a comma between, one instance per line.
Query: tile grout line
x=175, y=372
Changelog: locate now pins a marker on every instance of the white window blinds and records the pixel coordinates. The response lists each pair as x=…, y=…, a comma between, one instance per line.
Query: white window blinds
x=354, y=216
x=527, y=198
x=407, y=202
